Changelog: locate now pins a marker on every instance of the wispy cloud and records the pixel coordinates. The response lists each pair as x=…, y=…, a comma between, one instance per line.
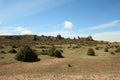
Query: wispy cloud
x=68, y=25
x=107, y=36
x=8, y=30
x=103, y=26
x=23, y=30
x=106, y=25
x=26, y=7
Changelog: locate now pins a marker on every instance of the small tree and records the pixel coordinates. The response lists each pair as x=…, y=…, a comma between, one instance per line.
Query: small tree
x=91, y=52
x=26, y=54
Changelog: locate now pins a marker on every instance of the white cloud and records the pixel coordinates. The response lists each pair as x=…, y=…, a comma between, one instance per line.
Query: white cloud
x=23, y=30
x=107, y=36
x=103, y=26
x=68, y=25
x=106, y=25
x=21, y=8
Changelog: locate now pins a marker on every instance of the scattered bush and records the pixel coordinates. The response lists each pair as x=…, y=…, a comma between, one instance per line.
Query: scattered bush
x=12, y=51
x=1, y=47
x=2, y=57
x=106, y=50
x=3, y=52
x=54, y=52
x=112, y=53
x=91, y=52
x=69, y=65
x=26, y=54
x=14, y=46
x=44, y=52
x=117, y=50
x=61, y=51
x=97, y=48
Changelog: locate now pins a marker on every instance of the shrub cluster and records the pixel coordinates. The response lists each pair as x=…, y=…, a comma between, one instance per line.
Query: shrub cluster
x=12, y=51
x=26, y=54
x=52, y=52
x=91, y=52
x=117, y=50
x=106, y=49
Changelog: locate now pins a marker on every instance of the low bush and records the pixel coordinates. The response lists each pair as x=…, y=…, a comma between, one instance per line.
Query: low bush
x=44, y=52
x=26, y=54
x=3, y=52
x=97, y=48
x=14, y=46
x=91, y=52
x=12, y=51
x=112, y=53
x=117, y=50
x=106, y=50
x=54, y=52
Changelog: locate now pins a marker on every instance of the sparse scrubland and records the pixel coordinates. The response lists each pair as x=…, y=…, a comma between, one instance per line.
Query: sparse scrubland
x=32, y=57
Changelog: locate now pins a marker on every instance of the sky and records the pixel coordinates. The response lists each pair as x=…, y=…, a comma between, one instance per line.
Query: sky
x=70, y=18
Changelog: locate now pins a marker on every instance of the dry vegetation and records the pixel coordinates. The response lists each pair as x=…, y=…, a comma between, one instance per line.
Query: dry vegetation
x=76, y=64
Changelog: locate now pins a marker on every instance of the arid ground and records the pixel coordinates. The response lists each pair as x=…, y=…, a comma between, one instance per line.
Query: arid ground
x=102, y=66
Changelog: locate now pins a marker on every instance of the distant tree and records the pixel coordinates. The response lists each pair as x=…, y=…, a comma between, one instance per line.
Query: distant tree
x=35, y=37
x=59, y=37
x=89, y=38
x=78, y=37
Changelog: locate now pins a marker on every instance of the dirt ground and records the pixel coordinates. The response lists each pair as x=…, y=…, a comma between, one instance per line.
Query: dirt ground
x=103, y=66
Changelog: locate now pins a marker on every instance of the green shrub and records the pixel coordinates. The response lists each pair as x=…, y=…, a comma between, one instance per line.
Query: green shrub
x=12, y=51
x=26, y=54
x=69, y=65
x=14, y=46
x=106, y=49
x=112, y=53
x=58, y=54
x=97, y=48
x=54, y=52
x=44, y=52
x=91, y=52
x=3, y=52
x=117, y=50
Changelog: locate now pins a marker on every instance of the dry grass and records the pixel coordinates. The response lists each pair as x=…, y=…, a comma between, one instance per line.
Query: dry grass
x=103, y=66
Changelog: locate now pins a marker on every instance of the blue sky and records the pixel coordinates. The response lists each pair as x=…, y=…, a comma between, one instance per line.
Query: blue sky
x=70, y=18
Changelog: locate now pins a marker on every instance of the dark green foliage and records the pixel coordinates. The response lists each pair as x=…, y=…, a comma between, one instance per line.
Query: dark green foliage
x=34, y=37
x=97, y=48
x=1, y=47
x=58, y=54
x=12, y=51
x=54, y=52
x=69, y=65
x=91, y=52
x=26, y=54
x=14, y=46
x=59, y=37
x=117, y=50
x=106, y=49
x=2, y=57
x=3, y=52
x=44, y=52
x=112, y=53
